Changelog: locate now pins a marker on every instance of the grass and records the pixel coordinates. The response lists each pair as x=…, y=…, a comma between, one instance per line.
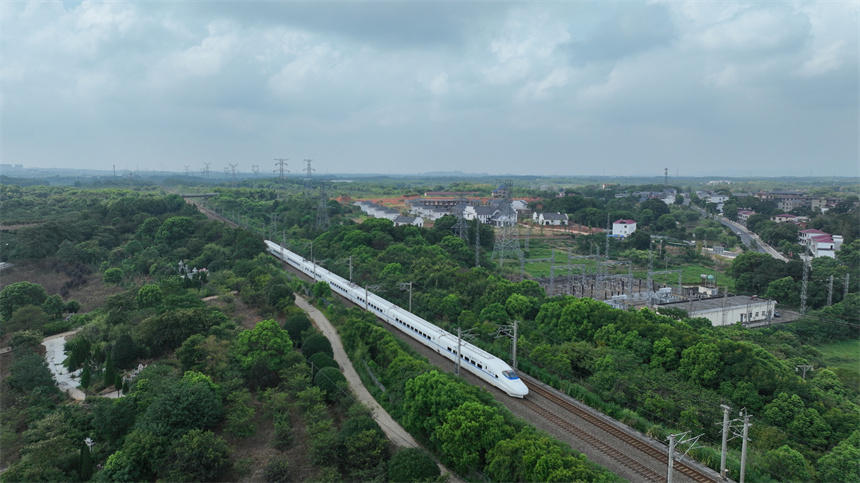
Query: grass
x=843, y=354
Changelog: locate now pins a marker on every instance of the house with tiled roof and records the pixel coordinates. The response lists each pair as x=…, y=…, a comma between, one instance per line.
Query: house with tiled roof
x=820, y=243
x=744, y=216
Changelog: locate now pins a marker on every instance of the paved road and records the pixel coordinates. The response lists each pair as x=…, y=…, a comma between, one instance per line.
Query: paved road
x=392, y=428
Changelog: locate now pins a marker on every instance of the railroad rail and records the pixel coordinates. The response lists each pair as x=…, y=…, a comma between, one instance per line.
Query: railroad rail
x=646, y=448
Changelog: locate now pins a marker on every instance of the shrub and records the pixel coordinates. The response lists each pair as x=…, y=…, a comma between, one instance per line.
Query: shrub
x=295, y=325
x=317, y=343
x=412, y=464
x=329, y=380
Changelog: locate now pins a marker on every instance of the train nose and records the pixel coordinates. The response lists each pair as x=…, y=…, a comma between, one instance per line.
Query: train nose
x=518, y=389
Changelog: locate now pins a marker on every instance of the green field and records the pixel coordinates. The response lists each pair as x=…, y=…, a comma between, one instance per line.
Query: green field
x=843, y=354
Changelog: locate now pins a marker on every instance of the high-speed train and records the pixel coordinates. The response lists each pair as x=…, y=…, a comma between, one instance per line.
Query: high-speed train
x=473, y=359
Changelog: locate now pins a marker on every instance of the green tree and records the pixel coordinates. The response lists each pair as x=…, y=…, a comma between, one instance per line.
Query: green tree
x=123, y=352
x=470, y=431
x=26, y=318
x=321, y=290
x=240, y=414
x=113, y=276
x=701, y=364
x=26, y=339
x=317, y=343
x=20, y=294
x=840, y=463
x=330, y=380
x=174, y=231
x=295, y=325
x=194, y=402
x=787, y=464
x=412, y=465
x=109, y=373
x=53, y=306
x=149, y=295
x=261, y=350
x=190, y=354
x=196, y=456
x=363, y=449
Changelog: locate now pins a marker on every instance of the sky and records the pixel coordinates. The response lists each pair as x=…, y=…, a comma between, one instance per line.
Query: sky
x=395, y=87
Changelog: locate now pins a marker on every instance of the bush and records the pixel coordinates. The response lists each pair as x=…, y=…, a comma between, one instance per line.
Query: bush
x=113, y=276
x=277, y=470
x=412, y=464
x=295, y=325
x=317, y=343
x=283, y=432
x=197, y=456
x=321, y=360
x=329, y=380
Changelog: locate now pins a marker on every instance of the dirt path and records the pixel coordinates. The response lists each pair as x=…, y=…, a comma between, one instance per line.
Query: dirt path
x=55, y=356
x=392, y=428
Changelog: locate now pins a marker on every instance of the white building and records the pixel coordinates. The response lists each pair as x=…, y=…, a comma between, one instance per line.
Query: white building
x=623, y=228
x=550, y=219
x=727, y=310
x=409, y=220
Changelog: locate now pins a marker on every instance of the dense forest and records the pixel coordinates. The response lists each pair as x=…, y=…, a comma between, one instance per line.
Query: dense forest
x=228, y=354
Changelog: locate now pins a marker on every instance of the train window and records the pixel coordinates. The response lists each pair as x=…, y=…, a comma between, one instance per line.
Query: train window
x=510, y=375
x=480, y=366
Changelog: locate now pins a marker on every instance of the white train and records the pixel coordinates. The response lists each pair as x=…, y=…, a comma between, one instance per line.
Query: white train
x=473, y=359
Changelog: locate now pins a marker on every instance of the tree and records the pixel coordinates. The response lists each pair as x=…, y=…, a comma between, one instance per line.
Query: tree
x=261, y=350
x=362, y=449
x=113, y=276
x=123, y=352
x=29, y=373
x=149, y=295
x=174, y=230
x=193, y=402
x=26, y=338
x=317, y=343
x=639, y=240
x=321, y=290
x=295, y=325
x=412, y=465
x=840, y=464
x=25, y=318
x=330, y=380
x=240, y=414
x=787, y=464
x=701, y=364
x=470, y=431
x=785, y=291
x=20, y=294
x=196, y=456
x=53, y=306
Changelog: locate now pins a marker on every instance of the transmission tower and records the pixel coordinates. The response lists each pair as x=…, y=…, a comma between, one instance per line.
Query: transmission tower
x=206, y=170
x=233, y=171
x=322, y=209
x=478, y=243
x=282, y=167
x=461, y=228
x=506, y=242
x=308, y=170
x=804, y=283
x=186, y=169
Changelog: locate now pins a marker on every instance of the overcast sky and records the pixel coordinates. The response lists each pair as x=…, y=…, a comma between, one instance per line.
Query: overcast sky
x=561, y=88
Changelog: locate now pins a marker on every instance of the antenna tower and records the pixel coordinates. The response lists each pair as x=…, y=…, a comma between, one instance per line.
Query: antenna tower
x=282, y=164
x=308, y=184
x=322, y=209
x=506, y=242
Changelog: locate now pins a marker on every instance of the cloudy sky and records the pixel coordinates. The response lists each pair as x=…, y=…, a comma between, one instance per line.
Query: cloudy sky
x=391, y=87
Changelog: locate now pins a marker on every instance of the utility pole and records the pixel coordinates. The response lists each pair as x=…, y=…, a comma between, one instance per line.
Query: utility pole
x=744, y=444
x=673, y=444
x=804, y=368
x=845, y=288
x=510, y=331
x=830, y=292
x=725, y=447
x=405, y=286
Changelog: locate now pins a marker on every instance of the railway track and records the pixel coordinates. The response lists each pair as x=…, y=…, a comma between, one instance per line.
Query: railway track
x=613, y=453
x=608, y=450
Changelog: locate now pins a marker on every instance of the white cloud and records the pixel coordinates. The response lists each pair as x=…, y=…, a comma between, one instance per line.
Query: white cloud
x=823, y=60
x=439, y=85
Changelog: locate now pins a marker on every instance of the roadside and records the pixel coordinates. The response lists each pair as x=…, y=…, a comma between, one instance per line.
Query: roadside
x=392, y=428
